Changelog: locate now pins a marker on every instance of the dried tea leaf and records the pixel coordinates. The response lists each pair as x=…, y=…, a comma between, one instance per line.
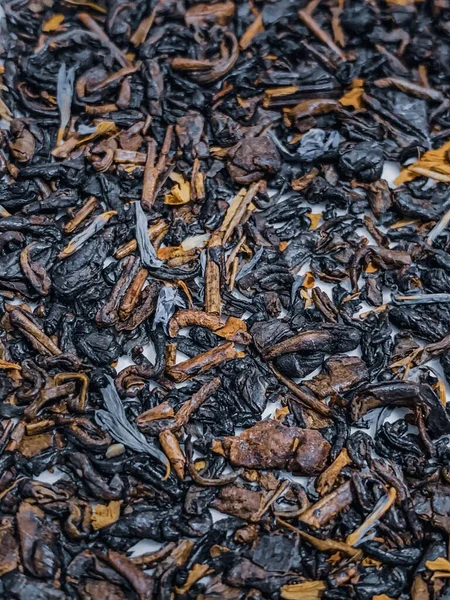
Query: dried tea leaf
x=195, y=574
x=114, y=420
x=104, y=128
x=253, y=30
x=105, y=514
x=307, y=590
x=146, y=250
x=64, y=93
x=180, y=193
x=439, y=564
x=53, y=23
x=433, y=164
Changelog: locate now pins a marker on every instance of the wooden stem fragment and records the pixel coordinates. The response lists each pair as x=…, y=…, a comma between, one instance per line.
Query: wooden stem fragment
x=172, y=450
x=203, y=362
x=38, y=339
x=213, y=276
x=307, y=18
x=93, y=26
x=152, y=171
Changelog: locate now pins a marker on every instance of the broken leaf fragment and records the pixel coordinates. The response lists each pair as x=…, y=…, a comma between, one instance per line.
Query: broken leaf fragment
x=105, y=514
x=440, y=564
x=433, y=164
x=307, y=590
x=53, y=23
x=354, y=97
x=180, y=193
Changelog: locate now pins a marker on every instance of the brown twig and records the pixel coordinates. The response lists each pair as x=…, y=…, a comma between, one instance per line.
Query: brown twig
x=95, y=28
x=307, y=18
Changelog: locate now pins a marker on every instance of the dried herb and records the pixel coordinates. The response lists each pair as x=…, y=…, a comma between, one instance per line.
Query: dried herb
x=217, y=297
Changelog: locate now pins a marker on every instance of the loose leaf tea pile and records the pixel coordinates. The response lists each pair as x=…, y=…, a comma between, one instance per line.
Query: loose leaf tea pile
x=198, y=187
